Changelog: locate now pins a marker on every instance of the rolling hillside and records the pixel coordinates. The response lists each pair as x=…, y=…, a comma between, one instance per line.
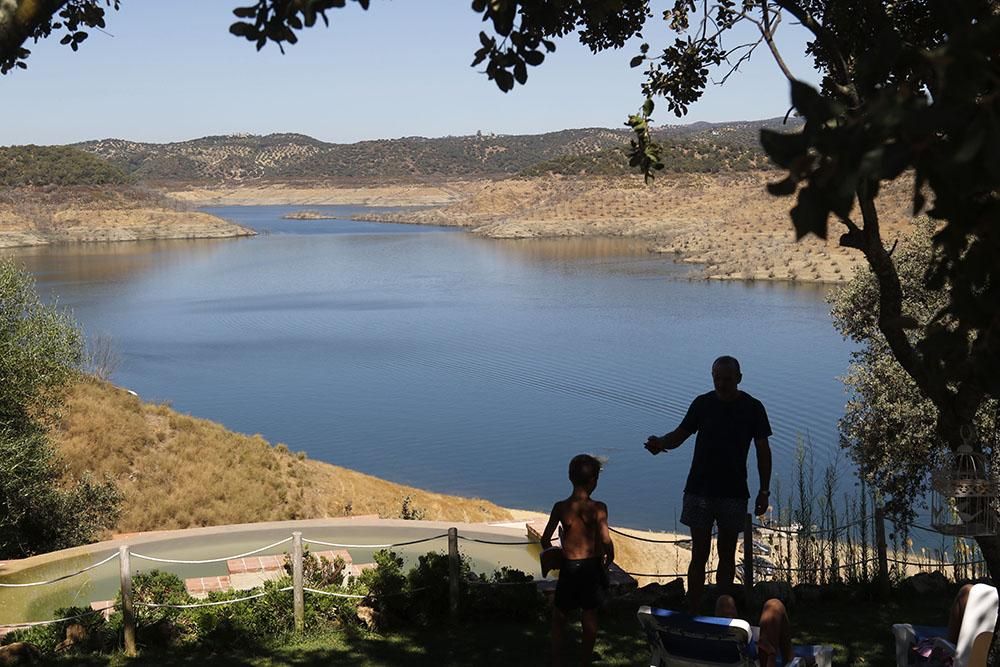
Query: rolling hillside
x=295, y=157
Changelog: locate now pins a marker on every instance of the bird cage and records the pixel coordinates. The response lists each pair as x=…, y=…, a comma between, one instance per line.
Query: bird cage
x=964, y=495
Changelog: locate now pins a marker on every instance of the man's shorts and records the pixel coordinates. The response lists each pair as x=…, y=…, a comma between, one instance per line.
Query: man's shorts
x=702, y=512
x=583, y=584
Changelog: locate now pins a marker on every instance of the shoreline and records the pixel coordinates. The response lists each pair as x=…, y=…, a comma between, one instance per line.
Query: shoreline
x=726, y=223
x=39, y=217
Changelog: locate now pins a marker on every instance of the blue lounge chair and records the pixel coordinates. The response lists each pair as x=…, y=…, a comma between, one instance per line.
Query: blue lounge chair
x=681, y=640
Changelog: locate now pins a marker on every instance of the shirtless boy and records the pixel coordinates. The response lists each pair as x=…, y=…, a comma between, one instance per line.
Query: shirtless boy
x=587, y=553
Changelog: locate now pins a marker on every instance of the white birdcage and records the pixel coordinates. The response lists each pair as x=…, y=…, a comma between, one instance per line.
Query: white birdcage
x=964, y=495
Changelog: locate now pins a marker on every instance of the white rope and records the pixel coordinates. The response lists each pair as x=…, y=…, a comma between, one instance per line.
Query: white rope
x=65, y=576
x=56, y=620
x=210, y=560
x=374, y=546
x=335, y=595
x=196, y=605
x=505, y=583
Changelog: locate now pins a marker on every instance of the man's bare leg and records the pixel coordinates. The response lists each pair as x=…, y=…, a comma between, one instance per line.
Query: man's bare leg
x=775, y=634
x=558, y=636
x=588, y=621
x=701, y=547
x=725, y=544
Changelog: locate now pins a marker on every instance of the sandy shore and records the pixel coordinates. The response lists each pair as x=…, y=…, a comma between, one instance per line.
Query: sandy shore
x=31, y=218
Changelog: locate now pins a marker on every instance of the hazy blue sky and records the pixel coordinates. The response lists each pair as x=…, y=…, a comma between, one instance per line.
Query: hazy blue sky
x=169, y=70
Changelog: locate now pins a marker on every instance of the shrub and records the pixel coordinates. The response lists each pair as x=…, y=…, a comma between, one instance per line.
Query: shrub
x=157, y=626
x=100, y=635
x=258, y=622
x=507, y=593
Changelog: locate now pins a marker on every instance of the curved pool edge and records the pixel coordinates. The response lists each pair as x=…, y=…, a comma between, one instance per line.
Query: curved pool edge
x=507, y=529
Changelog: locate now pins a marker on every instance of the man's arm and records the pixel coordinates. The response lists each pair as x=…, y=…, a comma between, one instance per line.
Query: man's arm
x=657, y=443
x=550, y=527
x=764, y=471
x=605, y=534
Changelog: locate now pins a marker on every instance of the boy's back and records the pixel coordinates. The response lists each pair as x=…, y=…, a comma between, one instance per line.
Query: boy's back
x=582, y=519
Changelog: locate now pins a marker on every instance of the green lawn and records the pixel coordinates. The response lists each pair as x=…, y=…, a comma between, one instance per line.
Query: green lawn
x=858, y=628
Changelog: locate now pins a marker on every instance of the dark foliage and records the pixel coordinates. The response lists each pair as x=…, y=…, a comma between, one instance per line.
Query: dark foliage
x=55, y=165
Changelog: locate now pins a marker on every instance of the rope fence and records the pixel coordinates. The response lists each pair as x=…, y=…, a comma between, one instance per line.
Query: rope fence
x=35, y=624
x=217, y=603
x=651, y=540
x=374, y=546
x=502, y=544
x=63, y=577
x=211, y=560
x=751, y=563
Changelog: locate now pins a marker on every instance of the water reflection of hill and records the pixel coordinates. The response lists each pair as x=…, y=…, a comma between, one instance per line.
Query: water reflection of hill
x=108, y=262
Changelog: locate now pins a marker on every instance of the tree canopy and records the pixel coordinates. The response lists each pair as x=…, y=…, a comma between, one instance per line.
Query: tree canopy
x=40, y=351
x=889, y=427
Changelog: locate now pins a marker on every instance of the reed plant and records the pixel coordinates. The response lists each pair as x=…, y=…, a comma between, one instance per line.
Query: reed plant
x=815, y=538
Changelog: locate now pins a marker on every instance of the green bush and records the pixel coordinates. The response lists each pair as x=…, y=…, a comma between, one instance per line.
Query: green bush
x=428, y=587
x=506, y=594
x=100, y=636
x=258, y=622
x=41, y=350
x=156, y=626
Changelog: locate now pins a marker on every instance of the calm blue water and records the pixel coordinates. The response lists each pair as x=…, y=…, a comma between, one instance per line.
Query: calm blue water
x=463, y=365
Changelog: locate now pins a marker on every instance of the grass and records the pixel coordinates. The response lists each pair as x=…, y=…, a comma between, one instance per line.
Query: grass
x=177, y=471
x=858, y=629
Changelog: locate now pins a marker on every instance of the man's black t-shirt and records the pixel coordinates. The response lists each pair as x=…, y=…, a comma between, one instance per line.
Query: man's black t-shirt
x=725, y=429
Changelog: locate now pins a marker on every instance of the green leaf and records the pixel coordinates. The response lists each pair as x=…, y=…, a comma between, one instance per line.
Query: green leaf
x=647, y=107
x=636, y=61
x=783, y=148
x=808, y=101
x=241, y=29
x=504, y=80
x=534, y=58
x=810, y=214
x=520, y=72
x=783, y=188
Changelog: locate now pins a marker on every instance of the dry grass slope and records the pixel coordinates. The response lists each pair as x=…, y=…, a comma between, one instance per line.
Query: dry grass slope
x=177, y=471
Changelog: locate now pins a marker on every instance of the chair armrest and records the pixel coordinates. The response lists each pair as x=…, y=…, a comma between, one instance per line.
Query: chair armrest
x=942, y=643
x=905, y=637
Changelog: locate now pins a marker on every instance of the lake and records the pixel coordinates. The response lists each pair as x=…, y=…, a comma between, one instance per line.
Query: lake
x=463, y=365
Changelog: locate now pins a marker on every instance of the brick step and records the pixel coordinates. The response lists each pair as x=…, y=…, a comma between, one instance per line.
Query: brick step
x=200, y=587
x=277, y=562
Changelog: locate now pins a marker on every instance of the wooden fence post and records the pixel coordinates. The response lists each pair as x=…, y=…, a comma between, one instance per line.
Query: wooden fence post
x=128, y=612
x=299, y=603
x=748, y=558
x=880, y=546
x=454, y=571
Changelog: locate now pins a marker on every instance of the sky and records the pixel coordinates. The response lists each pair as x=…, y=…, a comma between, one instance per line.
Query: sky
x=168, y=70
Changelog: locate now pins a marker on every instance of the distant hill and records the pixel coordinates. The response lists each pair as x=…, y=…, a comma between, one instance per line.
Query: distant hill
x=700, y=147
x=56, y=165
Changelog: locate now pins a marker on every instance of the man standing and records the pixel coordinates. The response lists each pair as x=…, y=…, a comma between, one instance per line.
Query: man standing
x=726, y=420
